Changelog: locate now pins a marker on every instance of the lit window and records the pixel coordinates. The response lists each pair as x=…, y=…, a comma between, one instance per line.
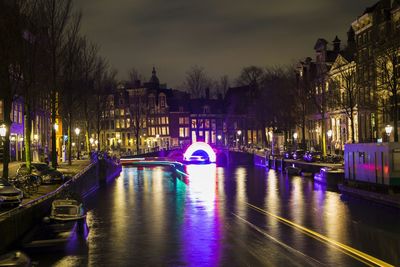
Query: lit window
x=117, y=125
x=207, y=124
x=181, y=132
x=194, y=125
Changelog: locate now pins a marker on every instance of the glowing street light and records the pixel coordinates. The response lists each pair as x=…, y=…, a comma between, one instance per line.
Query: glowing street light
x=91, y=140
x=239, y=132
x=157, y=136
x=77, y=132
x=295, y=136
x=36, y=137
x=55, y=126
x=3, y=130
x=219, y=137
x=388, y=130
x=329, y=134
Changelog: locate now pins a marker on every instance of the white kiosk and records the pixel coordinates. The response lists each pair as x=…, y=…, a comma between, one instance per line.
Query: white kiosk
x=376, y=163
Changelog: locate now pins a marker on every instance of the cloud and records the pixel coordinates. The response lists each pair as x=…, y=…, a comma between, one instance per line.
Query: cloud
x=221, y=35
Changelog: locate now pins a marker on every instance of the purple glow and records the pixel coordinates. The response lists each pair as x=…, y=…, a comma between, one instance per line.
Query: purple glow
x=200, y=146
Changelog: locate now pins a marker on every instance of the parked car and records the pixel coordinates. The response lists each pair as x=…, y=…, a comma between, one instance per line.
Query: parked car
x=9, y=194
x=47, y=174
x=298, y=154
x=312, y=156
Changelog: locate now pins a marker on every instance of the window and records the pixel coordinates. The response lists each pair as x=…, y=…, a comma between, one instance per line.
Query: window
x=194, y=124
x=181, y=132
x=181, y=120
x=163, y=131
x=162, y=120
x=186, y=131
x=166, y=120
x=128, y=123
x=122, y=112
x=207, y=123
x=122, y=123
x=187, y=120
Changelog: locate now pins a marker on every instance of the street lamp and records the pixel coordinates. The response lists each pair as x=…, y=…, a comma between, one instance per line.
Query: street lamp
x=329, y=134
x=239, y=133
x=388, y=130
x=55, y=127
x=77, y=131
x=295, y=136
x=3, y=130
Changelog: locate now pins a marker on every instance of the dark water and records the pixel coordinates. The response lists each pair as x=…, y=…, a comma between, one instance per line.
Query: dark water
x=149, y=218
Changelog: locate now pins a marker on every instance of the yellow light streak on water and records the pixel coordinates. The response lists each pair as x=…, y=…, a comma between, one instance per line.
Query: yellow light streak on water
x=359, y=255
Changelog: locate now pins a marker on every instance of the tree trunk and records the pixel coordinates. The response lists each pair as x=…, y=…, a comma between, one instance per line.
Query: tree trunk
x=28, y=133
x=69, y=140
x=137, y=141
x=323, y=135
x=352, y=128
x=396, y=107
x=303, y=131
x=6, y=148
x=88, y=144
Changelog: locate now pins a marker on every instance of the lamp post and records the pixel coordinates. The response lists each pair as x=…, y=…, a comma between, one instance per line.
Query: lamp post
x=3, y=132
x=219, y=137
x=329, y=134
x=239, y=133
x=295, y=136
x=388, y=130
x=77, y=132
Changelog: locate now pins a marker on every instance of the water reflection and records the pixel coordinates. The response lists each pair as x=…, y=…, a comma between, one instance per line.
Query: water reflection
x=202, y=230
x=149, y=218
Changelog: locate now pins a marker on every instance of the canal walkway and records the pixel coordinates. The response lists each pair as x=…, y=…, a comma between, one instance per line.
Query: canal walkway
x=67, y=170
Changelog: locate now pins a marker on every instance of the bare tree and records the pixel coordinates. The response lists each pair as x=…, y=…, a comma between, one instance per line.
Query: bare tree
x=251, y=76
x=388, y=75
x=138, y=114
x=103, y=83
x=134, y=75
x=346, y=91
x=196, y=81
x=10, y=43
x=222, y=85
x=89, y=56
x=71, y=78
x=55, y=15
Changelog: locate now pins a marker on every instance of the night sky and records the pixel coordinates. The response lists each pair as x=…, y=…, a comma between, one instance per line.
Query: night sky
x=220, y=35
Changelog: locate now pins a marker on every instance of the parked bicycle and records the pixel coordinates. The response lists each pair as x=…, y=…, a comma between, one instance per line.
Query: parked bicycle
x=29, y=184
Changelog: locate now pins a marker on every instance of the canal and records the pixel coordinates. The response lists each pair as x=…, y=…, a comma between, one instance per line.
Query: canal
x=237, y=216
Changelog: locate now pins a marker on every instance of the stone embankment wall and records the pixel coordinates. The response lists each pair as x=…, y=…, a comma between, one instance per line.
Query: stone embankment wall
x=15, y=223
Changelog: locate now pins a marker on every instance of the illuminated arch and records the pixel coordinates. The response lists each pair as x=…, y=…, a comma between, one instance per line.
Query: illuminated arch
x=200, y=146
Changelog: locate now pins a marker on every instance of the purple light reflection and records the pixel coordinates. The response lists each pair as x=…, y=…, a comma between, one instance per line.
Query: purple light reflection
x=202, y=232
